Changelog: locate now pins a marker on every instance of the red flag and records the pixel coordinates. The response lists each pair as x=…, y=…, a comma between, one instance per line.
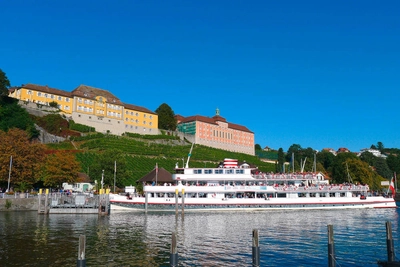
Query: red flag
x=392, y=187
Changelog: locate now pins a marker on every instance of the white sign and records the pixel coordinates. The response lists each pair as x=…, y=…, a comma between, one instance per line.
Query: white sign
x=384, y=182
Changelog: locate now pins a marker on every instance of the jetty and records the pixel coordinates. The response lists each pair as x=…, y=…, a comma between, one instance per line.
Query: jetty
x=73, y=203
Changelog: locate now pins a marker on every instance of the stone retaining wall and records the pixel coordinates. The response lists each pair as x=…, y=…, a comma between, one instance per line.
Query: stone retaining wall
x=19, y=204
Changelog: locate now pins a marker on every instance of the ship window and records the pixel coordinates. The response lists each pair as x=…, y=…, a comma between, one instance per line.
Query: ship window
x=239, y=171
x=208, y=171
x=228, y=171
x=197, y=171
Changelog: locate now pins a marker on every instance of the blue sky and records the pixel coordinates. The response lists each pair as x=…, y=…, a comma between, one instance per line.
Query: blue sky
x=321, y=74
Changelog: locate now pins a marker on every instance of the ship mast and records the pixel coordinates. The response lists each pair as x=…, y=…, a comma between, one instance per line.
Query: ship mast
x=190, y=153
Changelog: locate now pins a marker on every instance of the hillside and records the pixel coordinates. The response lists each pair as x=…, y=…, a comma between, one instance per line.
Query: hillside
x=141, y=154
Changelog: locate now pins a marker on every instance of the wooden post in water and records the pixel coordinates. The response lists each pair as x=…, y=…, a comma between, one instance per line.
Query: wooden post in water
x=256, y=249
x=173, y=258
x=176, y=200
x=46, y=202
x=146, y=201
x=183, y=200
x=389, y=242
x=81, y=262
x=331, y=247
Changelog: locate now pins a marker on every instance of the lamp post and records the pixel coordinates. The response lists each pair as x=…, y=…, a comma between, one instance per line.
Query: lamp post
x=9, y=175
x=102, y=179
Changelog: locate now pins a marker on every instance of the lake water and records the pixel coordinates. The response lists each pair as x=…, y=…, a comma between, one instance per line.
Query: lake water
x=287, y=238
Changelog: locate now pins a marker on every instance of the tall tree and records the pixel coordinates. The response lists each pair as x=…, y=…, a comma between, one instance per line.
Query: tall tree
x=393, y=162
x=382, y=168
x=326, y=158
x=27, y=158
x=281, y=160
x=380, y=146
x=166, y=117
x=60, y=167
x=4, y=83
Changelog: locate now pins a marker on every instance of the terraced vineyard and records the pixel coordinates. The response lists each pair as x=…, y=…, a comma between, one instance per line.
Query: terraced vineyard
x=142, y=155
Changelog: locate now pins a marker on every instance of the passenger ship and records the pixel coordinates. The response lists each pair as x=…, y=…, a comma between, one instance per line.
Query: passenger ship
x=240, y=187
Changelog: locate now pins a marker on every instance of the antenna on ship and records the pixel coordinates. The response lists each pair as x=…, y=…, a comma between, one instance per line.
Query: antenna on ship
x=190, y=153
x=348, y=174
x=315, y=163
x=303, y=164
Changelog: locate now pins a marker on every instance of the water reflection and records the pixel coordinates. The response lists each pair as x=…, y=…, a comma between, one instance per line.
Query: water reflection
x=287, y=238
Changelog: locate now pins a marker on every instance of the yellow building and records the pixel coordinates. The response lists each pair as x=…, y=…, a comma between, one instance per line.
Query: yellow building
x=91, y=106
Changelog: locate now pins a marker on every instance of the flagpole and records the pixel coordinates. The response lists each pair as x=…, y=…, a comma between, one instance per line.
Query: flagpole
x=156, y=172
x=115, y=170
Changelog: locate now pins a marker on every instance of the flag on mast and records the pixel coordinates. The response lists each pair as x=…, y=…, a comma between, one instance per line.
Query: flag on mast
x=392, y=187
x=156, y=172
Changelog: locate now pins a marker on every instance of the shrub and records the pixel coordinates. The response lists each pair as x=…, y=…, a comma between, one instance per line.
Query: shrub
x=8, y=204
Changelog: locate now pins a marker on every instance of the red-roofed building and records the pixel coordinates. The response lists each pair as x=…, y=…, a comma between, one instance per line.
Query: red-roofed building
x=217, y=132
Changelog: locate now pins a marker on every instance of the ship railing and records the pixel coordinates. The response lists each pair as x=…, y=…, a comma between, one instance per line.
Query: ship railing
x=289, y=176
x=336, y=188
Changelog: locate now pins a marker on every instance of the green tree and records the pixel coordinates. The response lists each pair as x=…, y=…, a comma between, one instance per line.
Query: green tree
x=393, y=162
x=166, y=118
x=360, y=172
x=326, y=158
x=339, y=168
x=382, y=168
x=380, y=146
x=113, y=162
x=4, y=84
x=53, y=104
x=368, y=157
x=14, y=116
x=257, y=147
x=281, y=160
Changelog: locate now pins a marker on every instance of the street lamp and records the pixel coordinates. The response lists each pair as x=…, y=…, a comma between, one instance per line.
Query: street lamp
x=9, y=175
x=102, y=179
